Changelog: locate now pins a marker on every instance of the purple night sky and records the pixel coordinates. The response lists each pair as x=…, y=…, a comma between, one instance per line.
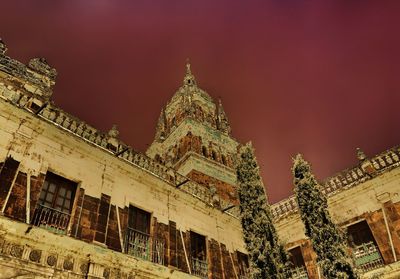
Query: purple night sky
x=316, y=77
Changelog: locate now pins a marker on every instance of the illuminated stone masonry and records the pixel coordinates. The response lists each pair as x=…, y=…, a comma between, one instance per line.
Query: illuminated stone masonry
x=193, y=136
x=76, y=202
x=69, y=191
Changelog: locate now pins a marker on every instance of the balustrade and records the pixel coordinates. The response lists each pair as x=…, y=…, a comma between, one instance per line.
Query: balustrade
x=51, y=219
x=199, y=268
x=299, y=273
x=367, y=257
x=142, y=245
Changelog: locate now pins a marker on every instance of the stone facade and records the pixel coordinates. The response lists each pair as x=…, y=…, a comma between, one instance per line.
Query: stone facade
x=193, y=136
x=368, y=192
x=76, y=202
x=40, y=143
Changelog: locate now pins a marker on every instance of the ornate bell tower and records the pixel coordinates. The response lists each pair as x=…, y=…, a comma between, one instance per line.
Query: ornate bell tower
x=193, y=136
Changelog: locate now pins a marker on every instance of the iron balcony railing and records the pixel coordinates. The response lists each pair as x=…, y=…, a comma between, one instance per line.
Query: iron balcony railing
x=199, y=268
x=51, y=219
x=299, y=273
x=142, y=245
x=367, y=257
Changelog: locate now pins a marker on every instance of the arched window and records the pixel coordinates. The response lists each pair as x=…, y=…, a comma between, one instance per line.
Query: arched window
x=214, y=155
x=204, y=151
x=223, y=159
x=157, y=158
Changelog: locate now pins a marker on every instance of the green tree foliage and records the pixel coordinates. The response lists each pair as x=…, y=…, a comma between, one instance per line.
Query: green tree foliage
x=327, y=240
x=268, y=258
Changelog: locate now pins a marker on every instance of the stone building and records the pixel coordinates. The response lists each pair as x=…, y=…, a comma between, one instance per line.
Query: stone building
x=365, y=202
x=79, y=203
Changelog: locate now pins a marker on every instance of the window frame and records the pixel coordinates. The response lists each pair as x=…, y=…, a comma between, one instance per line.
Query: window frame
x=148, y=232
x=191, y=234
x=350, y=239
x=292, y=258
x=59, y=182
x=58, y=220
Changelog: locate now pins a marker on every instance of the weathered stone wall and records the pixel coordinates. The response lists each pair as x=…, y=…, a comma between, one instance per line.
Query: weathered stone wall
x=37, y=253
x=194, y=162
x=364, y=201
x=193, y=136
x=224, y=190
x=207, y=136
x=105, y=182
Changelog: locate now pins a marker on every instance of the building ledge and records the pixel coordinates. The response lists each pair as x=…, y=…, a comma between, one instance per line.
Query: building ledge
x=41, y=253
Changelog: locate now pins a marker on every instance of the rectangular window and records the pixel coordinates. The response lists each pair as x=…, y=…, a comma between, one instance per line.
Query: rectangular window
x=139, y=220
x=139, y=243
x=55, y=203
x=198, y=253
x=359, y=234
x=366, y=253
x=296, y=257
x=57, y=193
x=197, y=246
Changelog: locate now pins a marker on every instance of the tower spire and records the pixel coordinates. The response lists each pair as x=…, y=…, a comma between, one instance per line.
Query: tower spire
x=189, y=77
x=221, y=118
x=188, y=71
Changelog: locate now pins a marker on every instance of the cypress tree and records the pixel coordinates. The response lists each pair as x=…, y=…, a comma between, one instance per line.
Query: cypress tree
x=327, y=240
x=268, y=259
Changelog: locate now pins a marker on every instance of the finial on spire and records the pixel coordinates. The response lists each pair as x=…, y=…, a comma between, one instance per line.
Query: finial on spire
x=222, y=119
x=189, y=77
x=188, y=71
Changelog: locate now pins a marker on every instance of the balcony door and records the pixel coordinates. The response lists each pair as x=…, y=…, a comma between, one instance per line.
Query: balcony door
x=366, y=253
x=198, y=253
x=299, y=270
x=53, y=210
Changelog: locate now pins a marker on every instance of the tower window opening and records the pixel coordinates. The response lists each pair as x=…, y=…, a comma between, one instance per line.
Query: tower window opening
x=224, y=160
x=204, y=151
x=214, y=155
